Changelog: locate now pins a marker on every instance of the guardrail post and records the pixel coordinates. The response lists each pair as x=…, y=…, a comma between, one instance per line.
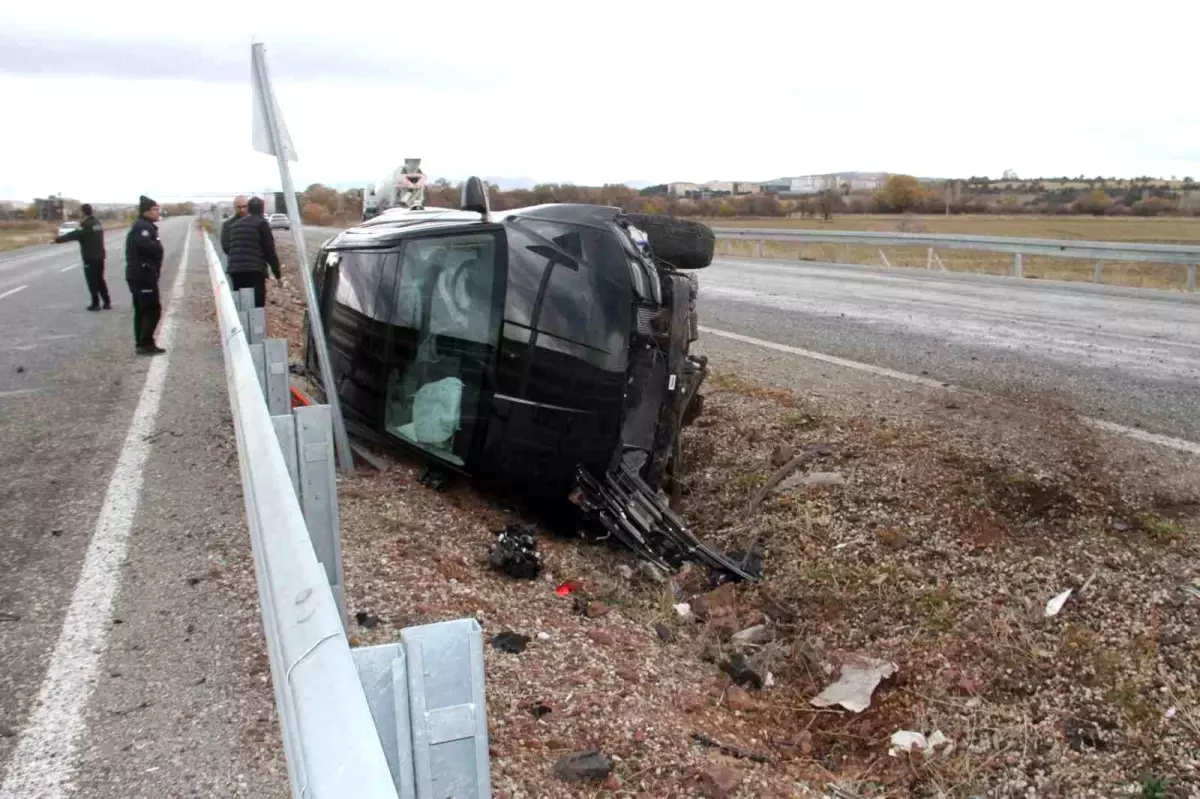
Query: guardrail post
x=760, y=248
x=1096, y=272
x=260, y=365
x=318, y=493
x=258, y=324
x=244, y=323
x=1018, y=271
x=285, y=431
x=243, y=299
x=929, y=259
x=1191, y=278
x=279, y=399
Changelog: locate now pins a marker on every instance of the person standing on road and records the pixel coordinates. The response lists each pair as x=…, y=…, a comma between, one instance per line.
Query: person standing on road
x=90, y=235
x=143, y=265
x=251, y=251
x=239, y=210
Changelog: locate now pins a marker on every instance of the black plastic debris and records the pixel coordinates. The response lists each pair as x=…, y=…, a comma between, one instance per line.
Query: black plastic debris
x=515, y=553
x=539, y=709
x=432, y=477
x=366, y=620
x=742, y=673
x=510, y=642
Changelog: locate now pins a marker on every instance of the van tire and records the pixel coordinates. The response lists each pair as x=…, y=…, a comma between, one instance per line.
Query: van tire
x=680, y=243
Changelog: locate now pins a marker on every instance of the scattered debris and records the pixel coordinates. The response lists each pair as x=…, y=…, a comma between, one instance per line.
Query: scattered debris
x=810, y=454
x=586, y=765
x=856, y=683
x=909, y=741
x=10, y=616
x=515, y=553
x=567, y=588
x=664, y=632
x=7, y=732
x=684, y=610
x=194, y=581
x=726, y=749
x=724, y=597
x=757, y=635
x=543, y=636
x=742, y=673
x=737, y=698
x=539, y=708
x=20, y=370
x=510, y=642
x=1055, y=605
x=433, y=477
x=366, y=620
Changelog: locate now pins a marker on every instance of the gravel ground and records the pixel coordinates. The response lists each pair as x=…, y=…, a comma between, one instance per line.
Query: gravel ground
x=952, y=523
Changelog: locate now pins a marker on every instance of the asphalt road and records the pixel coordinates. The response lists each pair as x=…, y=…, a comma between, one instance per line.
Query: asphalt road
x=180, y=704
x=1129, y=357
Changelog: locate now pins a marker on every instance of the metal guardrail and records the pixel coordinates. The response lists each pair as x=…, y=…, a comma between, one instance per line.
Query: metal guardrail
x=404, y=720
x=329, y=737
x=1098, y=251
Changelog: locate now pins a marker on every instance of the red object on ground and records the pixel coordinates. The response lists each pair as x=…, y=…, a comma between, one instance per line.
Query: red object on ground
x=298, y=398
x=566, y=588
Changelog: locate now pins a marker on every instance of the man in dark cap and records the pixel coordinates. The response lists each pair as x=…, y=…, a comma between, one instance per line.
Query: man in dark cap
x=251, y=251
x=143, y=265
x=90, y=235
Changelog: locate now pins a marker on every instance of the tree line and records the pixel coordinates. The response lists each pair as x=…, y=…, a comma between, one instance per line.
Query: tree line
x=901, y=194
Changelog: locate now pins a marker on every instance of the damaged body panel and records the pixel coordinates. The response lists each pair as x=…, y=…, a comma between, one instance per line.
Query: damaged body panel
x=544, y=350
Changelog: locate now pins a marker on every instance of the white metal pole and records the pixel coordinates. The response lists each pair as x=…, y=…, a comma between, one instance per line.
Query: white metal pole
x=316, y=325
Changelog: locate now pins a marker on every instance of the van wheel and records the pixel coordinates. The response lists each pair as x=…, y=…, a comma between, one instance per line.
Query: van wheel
x=682, y=243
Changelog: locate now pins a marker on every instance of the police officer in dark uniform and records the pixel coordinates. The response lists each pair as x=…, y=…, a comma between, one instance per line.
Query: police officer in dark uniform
x=143, y=265
x=90, y=235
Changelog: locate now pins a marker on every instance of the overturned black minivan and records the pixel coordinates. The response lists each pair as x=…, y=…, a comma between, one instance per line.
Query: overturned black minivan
x=543, y=349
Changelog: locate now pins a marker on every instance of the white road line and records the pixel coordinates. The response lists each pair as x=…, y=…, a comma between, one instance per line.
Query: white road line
x=11, y=292
x=44, y=761
x=69, y=268
x=1180, y=444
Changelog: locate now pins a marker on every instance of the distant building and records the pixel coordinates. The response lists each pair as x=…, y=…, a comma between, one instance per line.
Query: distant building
x=834, y=181
x=713, y=188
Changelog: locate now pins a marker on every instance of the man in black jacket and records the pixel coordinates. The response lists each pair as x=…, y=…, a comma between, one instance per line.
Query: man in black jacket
x=143, y=265
x=239, y=210
x=90, y=235
x=251, y=251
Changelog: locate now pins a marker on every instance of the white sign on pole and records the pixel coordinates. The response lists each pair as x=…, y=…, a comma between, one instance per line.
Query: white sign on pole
x=261, y=131
x=268, y=123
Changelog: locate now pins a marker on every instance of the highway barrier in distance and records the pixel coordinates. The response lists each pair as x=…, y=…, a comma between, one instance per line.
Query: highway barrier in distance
x=1096, y=251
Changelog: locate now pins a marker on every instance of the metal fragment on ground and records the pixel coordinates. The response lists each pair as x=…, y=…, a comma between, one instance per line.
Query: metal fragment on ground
x=856, y=683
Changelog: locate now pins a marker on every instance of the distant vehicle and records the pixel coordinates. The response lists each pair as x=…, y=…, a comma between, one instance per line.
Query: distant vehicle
x=67, y=226
x=542, y=348
x=403, y=187
x=279, y=221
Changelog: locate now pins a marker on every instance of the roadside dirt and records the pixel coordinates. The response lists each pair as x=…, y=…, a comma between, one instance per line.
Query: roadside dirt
x=935, y=547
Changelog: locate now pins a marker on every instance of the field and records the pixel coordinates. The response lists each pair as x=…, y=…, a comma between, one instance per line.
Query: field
x=14, y=235
x=1157, y=230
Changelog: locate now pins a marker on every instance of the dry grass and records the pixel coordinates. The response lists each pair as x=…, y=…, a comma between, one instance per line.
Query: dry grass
x=1159, y=230
x=14, y=235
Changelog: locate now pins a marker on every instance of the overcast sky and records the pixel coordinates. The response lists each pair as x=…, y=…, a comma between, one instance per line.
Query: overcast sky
x=106, y=100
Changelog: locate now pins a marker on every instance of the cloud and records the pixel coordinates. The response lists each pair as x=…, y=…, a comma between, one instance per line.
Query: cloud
x=52, y=54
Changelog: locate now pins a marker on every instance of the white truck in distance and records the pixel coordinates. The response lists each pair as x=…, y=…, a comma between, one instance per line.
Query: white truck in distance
x=403, y=187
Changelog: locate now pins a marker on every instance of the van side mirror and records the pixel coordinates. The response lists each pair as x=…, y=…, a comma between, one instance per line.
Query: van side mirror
x=475, y=197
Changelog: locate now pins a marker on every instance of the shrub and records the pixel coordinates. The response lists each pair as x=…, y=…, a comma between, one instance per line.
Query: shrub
x=316, y=214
